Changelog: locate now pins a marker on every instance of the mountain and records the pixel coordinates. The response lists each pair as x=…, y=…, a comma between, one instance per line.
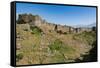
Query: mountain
x=85, y=26
x=92, y=25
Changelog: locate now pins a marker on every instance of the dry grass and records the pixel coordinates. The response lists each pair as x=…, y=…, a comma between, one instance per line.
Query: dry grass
x=51, y=47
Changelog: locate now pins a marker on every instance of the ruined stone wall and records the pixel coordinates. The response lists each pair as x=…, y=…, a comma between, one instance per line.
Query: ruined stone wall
x=30, y=19
x=35, y=20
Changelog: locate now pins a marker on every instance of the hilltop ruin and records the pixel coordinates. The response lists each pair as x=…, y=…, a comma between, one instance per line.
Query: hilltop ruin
x=37, y=39
x=36, y=20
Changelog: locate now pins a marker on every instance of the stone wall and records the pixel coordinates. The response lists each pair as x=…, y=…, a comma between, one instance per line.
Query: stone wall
x=36, y=20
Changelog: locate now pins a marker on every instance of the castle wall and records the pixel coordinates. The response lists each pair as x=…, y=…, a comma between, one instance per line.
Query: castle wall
x=35, y=20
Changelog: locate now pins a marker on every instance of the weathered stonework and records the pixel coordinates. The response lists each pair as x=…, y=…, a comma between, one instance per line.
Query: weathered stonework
x=35, y=20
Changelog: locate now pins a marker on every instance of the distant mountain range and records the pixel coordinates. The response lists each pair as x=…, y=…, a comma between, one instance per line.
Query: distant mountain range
x=85, y=26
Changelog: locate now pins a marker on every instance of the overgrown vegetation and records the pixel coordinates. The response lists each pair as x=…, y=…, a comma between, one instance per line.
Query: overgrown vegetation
x=49, y=44
x=88, y=37
x=60, y=46
x=35, y=30
x=56, y=45
x=19, y=56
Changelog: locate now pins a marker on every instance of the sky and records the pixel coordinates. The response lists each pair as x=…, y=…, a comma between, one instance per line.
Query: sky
x=59, y=14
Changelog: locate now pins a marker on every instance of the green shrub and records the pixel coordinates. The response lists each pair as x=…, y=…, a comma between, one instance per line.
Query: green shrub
x=61, y=47
x=56, y=45
x=35, y=30
x=19, y=56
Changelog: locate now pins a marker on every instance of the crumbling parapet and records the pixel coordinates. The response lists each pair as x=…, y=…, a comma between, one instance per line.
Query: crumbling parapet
x=56, y=28
x=93, y=28
x=71, y=29
x=30, y=19
x=77, y=30
x=36, y=20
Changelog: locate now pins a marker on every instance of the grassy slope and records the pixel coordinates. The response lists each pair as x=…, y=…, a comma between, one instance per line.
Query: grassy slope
x=51, y=47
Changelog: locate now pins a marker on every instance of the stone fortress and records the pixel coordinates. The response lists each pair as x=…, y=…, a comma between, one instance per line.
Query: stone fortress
x=36, y=20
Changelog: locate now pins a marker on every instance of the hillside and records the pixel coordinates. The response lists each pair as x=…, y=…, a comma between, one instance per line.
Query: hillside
x=40, y=42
